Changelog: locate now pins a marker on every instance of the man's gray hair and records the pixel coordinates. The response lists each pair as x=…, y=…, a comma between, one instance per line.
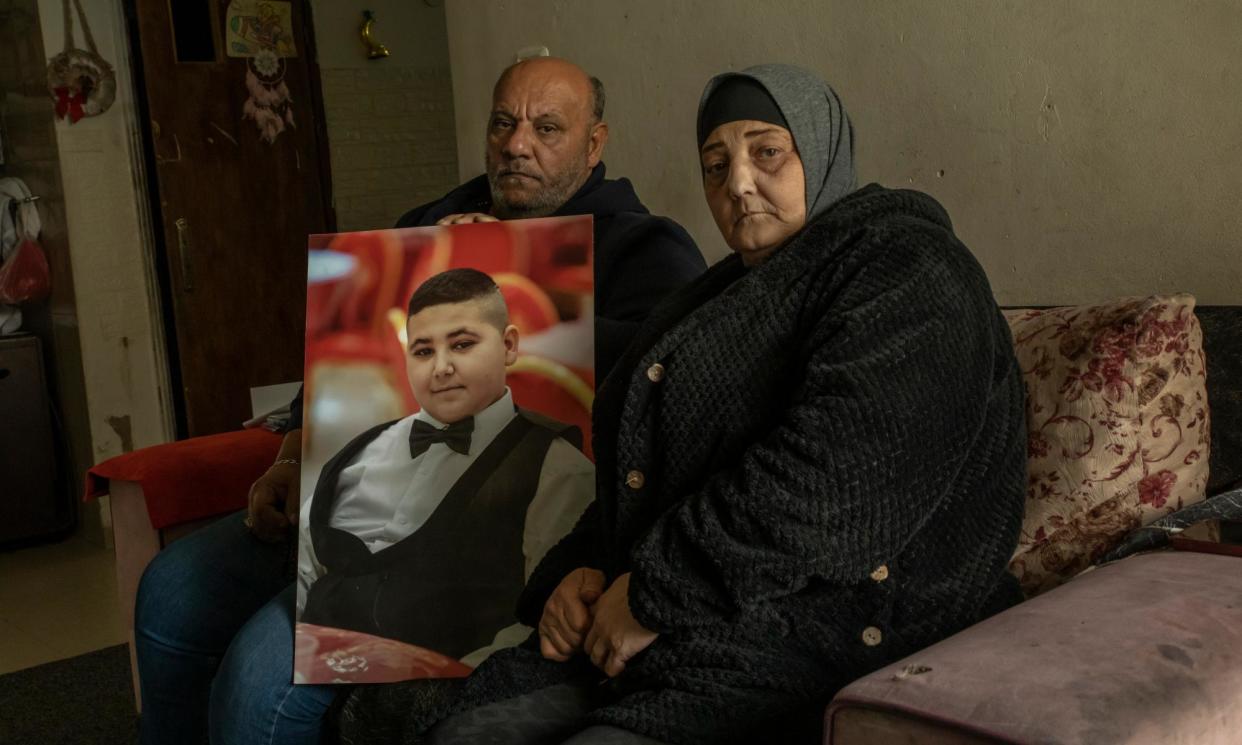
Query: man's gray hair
x=597, y=99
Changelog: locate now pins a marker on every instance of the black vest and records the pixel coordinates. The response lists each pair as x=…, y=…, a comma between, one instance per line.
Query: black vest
x=454, y=582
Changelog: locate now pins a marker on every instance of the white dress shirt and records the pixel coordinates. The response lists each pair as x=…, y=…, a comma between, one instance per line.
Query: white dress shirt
x=384, y=495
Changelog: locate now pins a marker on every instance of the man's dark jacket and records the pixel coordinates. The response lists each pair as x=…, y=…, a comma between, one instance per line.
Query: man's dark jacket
x=639, y=257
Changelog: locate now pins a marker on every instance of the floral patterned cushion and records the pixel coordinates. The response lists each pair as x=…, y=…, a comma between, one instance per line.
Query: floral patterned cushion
x=1117, y=423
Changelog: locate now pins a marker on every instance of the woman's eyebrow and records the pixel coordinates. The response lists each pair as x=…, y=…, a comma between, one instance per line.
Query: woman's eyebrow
x=757, y=132
x=748, y=135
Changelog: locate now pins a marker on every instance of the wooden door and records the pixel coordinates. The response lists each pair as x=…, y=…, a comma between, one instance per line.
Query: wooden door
x=233, y=208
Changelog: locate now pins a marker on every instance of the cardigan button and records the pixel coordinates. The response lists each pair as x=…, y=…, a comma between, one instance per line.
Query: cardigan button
x=871, y=636
x=634, y=479
x=655, y=373
x=881, y=573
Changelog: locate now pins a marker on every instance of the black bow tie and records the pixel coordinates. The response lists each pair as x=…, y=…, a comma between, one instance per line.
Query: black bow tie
x=456, y=436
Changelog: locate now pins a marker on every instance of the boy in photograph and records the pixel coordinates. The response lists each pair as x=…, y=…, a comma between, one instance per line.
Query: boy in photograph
x=425, y=529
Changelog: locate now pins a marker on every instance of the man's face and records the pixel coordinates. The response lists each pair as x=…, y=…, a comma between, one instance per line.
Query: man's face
x=542, y=141
x=456, y=359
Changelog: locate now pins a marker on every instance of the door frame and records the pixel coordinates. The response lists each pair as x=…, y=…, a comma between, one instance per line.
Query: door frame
x=155, y=247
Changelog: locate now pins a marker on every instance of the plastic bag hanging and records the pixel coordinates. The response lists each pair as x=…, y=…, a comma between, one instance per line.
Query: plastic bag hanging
x=81, y=82
x=24, y=273
x=25, y=276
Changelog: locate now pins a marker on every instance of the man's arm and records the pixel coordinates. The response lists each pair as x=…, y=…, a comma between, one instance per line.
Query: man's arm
x=274, y=498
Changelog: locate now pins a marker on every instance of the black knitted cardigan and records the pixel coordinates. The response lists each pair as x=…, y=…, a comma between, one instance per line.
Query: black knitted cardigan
x=850, y=405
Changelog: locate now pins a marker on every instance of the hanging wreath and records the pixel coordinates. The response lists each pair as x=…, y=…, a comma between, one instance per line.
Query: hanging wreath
x=81, y=82
x=269, y=105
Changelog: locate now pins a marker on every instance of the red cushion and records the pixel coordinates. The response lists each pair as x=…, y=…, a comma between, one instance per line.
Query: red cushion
x=191, y=479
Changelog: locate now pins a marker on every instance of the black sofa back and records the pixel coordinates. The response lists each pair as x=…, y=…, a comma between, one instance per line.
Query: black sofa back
x=1222, y=346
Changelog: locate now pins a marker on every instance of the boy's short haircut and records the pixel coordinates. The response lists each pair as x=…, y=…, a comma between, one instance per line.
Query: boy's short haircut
x=461, y=286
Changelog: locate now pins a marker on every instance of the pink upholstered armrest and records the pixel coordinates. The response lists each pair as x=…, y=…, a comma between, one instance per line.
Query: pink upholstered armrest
x=1145, y=650
x=191, y=479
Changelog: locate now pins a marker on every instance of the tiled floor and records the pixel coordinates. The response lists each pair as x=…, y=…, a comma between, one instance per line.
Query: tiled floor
x=57, y=600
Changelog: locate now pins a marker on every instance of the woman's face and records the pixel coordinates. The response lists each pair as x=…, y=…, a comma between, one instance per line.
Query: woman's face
x=755, y=186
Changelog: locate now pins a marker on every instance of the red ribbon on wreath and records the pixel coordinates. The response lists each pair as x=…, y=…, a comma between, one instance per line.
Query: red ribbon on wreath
x=80, y=82
x=69, y=103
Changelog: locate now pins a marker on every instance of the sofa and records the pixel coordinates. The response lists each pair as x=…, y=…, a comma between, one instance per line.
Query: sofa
x=1132, y=622
x=1130, y=634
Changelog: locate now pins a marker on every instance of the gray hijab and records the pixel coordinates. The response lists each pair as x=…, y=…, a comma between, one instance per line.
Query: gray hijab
x=820, y=127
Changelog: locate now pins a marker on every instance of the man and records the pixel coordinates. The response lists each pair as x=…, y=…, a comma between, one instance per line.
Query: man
x=214, y=614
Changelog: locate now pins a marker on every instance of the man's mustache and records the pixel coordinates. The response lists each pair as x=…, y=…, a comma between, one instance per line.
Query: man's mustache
x=516, y=172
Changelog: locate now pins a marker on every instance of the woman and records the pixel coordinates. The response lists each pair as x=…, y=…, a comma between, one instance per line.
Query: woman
x=811, y=461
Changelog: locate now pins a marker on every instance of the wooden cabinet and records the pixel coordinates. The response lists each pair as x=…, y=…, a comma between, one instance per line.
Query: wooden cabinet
x=33, y=500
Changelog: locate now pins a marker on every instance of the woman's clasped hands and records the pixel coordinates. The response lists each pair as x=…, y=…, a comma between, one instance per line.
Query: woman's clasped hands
x=581, y=616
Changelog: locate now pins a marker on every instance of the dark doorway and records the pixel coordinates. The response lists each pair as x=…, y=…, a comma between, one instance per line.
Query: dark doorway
x=231, y=206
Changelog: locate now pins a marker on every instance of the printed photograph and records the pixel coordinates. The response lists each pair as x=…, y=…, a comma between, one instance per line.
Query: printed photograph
x=446, y=439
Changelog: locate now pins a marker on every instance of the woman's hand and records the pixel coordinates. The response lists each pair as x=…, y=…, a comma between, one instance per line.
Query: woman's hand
x=615, y=636
x=567, y=614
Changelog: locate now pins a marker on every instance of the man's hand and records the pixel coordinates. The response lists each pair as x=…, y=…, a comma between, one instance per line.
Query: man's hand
x=567, y=614
x=465, y=217
x=275, y=497
x=615, y=637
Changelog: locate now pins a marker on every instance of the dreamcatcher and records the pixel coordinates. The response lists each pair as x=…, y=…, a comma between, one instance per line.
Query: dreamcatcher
x=269, y=105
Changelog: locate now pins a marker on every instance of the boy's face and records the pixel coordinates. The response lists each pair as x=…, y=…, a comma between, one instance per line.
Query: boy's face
x=456, y=359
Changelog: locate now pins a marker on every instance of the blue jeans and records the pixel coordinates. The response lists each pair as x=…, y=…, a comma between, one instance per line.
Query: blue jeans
x=213, y=627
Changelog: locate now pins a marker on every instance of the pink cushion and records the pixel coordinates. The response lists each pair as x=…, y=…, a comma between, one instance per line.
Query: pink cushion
x=191, y=479
x=1146, y=650
x=1117, y=422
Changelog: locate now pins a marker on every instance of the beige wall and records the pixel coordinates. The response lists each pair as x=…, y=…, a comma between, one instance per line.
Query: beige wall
x=391, y=136
x=1083, y=149
x=115, y=290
